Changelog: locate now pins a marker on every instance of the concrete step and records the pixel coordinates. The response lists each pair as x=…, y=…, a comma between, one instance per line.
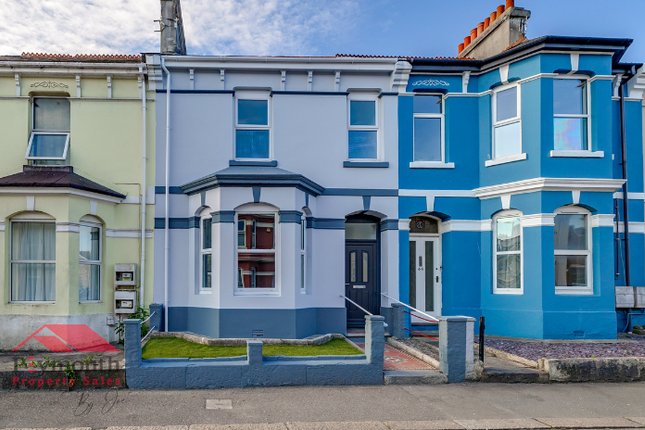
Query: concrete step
x=517, y=375
x=414, y=377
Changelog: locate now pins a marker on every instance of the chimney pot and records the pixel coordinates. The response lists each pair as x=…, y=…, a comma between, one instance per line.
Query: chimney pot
x=510, y=3
x=486, y=23
x=466, y=41
x=473, y=34
x=500, y=9
x=493, y=17
x=480, y=28
x=460, y=48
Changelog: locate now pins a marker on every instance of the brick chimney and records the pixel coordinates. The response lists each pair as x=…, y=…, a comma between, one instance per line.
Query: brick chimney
x=506, y=27
x=172, y=29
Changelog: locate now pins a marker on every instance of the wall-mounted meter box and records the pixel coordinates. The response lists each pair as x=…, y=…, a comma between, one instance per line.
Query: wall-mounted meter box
x=125, y=275
x=125, y=301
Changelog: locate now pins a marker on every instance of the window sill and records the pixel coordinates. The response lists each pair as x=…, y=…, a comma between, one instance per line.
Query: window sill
x=503, y=160
x=578, y=154
x=572, y=291
x=367, y=164
x=509, y=291
x=272, y=293
x=29, y=302
x=431, y=165
x=267, y=163
x=205, y=292
x=90, y=302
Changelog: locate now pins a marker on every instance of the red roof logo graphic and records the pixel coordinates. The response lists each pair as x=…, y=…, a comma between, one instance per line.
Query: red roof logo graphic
x=69, y=338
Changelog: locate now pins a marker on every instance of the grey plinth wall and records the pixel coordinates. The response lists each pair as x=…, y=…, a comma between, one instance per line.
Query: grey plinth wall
x=157, y=317
x=456, y=347
x=254, y=369
x=398, y=320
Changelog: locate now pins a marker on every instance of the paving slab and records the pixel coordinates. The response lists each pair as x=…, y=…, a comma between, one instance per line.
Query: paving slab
x=219, y=404
x=260, y=426
x=365, y=425
x=423, y=425
x=639, y=420
x=589, y=423
x=414, y=377
x=148, y=428
x=510, y=423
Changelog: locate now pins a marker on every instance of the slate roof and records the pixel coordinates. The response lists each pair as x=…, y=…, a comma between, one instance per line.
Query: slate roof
x=55, y=177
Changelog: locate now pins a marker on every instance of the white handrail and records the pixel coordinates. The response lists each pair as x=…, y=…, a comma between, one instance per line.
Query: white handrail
x=148, y=334
x=408, y=306
x=146, y=320
x=360, y=307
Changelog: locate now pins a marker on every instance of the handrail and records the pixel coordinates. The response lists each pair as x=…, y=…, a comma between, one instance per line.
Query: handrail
x=148, y=334
x=408, y=306
x=147, y=319
x=360, y=307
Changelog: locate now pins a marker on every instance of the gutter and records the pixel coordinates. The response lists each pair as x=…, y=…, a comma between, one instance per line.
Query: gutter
x=167, y=195
x=144, y=193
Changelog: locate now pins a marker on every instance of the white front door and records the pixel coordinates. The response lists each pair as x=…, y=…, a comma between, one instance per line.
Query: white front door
x=425, y=275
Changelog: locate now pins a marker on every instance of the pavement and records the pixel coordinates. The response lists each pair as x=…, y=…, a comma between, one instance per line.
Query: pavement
x=449, y=406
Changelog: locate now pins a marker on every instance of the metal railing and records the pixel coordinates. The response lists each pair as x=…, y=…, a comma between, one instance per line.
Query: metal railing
x=359, y=307
x=410, y=307
x=148, y=319
x=151, y=328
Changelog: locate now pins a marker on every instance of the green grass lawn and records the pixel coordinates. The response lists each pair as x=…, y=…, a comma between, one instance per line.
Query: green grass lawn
x=172, y=347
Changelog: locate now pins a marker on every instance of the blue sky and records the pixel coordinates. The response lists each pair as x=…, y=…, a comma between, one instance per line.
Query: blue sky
x=301, y=27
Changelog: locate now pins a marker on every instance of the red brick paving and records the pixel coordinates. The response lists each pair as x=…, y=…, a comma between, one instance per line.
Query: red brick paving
x=395, y=359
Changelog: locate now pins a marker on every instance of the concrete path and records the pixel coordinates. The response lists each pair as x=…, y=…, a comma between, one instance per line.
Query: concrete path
x=471, y=406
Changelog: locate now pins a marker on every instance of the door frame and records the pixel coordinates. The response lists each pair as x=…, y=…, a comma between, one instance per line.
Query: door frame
x=362, y=218
x=438, y=262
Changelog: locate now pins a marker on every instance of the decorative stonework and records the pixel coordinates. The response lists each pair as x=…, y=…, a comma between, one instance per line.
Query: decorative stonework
x=49, y=84
x=431, y=83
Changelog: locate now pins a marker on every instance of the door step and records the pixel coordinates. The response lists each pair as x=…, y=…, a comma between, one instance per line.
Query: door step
x=414, y=377
x=520, y=375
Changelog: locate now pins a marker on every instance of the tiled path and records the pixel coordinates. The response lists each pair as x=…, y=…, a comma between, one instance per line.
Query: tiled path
x=395, y=359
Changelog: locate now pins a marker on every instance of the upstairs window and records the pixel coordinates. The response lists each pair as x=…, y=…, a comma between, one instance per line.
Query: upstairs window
x=89, y=289
x=206, y=250
x=570, y=114
x=252, y=130
x=428, y=120
x=49, y=141
x=362, y=139
x=507, y=129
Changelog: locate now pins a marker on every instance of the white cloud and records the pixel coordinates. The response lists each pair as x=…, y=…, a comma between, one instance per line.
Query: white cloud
x=288, y=27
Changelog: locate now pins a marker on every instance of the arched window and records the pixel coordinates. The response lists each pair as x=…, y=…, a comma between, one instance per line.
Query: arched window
x=507, y=253
x=90, y=256
x=206, y=251
x=256, y=250
x=33, y=258
x=572, y=249
x=424, y=224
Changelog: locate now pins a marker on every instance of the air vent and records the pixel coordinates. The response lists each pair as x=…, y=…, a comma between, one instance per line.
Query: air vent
x=257, y=333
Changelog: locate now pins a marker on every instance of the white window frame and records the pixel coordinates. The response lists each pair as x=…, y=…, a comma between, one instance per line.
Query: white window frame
x=442, y=116
x=35, y=131
x=371, y=97
x=497, y=124
x=29, y=217
x=303, y=253
x=99, y=262
x=587, y=290
x=205, y=251
x=498, y=216
x=583, y=153
x=253, y=95
x=259, y=209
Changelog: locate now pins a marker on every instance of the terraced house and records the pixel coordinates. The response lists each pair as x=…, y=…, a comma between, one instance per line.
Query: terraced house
x=73, y=192
x=300, y=193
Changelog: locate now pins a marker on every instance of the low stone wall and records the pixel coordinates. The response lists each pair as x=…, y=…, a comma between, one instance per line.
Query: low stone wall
x=594, y=369
x=254, y=369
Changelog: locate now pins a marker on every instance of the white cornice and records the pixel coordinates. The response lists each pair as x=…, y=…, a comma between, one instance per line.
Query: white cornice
x=537, y=220
x=634, y=227
x=404, y=224
x=131, y=233
x=549, y=184
x=71, y=192
x=465, y=225
x=602, y=220
x=68, y=227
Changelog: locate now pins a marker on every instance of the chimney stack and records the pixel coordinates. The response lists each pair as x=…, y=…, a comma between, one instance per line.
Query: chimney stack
x=172, y=29
x=505, y=27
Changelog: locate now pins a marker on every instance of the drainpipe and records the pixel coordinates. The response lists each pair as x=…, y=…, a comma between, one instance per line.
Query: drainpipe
x=628, y=281
x=144, y=193
x=167, y=206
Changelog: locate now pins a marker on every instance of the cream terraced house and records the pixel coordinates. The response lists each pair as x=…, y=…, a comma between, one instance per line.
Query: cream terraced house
x=76, y=162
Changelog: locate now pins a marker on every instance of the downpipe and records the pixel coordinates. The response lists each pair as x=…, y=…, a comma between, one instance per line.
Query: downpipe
x=167, y=195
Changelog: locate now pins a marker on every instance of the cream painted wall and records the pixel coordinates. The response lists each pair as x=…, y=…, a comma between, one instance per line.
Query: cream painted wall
x=105, y=147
